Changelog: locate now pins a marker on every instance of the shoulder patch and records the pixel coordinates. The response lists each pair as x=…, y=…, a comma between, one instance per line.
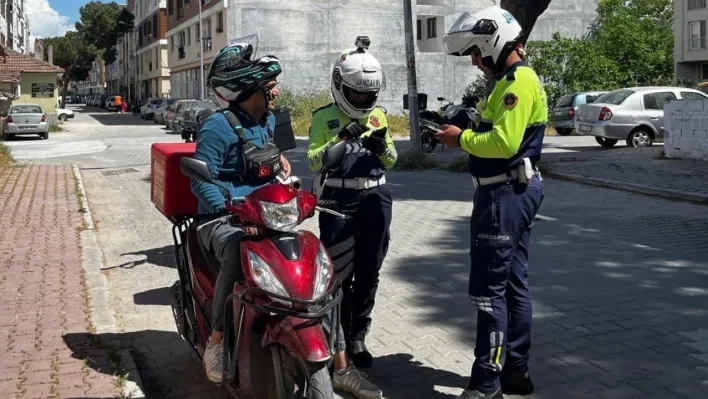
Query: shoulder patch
x=375, y=122
x=321, y=108
x=510, y=101
x=333, y=124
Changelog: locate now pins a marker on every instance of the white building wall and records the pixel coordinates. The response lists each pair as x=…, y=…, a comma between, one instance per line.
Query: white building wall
x=686, y=129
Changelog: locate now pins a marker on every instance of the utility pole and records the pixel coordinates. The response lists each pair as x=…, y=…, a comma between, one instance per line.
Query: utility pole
x=412, y=80
x=201, y=54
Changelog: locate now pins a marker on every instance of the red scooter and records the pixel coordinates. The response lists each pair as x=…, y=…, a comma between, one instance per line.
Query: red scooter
x=274, y=343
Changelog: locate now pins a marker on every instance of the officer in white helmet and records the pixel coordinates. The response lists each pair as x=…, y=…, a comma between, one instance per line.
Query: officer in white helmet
x=503, y=151
x=359, y=243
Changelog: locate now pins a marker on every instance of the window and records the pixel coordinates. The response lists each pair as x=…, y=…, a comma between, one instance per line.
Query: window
x=155, y=26
x=170, y=7
x=205, y=2
x=181, y=39
x=220, y=22
x=206, y=26
x=704, y=71
x=189, y=36
x=196, y=31
x=590, y=98
x=565, y=101
x=148, y=29
x=697, y=35
x=692, y=95
x=419, y=29
x=172, y=43
x=656, y=101
x=432, y=25
x=616, y=97
x=695, y=4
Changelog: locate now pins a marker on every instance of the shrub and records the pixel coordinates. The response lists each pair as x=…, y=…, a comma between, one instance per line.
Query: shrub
x=301, y=106
x=5, y=157
x=458, y=165
x=414, y=160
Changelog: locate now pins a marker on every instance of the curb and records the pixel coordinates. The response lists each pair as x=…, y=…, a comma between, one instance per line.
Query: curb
x=97, y=284
x=632, y=188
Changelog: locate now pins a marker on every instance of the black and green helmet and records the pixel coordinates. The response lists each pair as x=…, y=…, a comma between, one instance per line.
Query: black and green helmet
x=235, y=74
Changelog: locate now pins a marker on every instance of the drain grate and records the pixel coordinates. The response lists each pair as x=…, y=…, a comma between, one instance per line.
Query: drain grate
x=119, y=171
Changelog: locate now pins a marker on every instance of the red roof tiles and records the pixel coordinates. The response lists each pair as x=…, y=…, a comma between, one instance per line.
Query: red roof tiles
x=12, y=63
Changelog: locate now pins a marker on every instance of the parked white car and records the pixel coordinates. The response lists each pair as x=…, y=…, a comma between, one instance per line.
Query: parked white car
x=64, y=114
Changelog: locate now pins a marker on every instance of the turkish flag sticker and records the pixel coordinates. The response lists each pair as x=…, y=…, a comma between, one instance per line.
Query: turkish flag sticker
x=264, y=171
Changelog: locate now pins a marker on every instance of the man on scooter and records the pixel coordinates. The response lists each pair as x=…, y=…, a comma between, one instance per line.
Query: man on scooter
x=504, y=150
x=359, y=243
x=244, y=85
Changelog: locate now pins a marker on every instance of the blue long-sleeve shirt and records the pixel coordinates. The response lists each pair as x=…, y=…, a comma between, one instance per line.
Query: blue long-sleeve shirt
x=220, y=147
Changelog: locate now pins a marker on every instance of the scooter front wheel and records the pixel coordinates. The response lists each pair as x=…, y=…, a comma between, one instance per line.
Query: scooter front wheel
x=297, y=379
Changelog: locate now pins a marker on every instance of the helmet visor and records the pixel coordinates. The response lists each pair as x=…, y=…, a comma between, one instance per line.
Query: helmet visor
x=463, y=24
x=242, y=48
x=360, y=99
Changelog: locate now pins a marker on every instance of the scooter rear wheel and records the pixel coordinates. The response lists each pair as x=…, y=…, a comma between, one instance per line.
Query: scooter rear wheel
x=296, y=379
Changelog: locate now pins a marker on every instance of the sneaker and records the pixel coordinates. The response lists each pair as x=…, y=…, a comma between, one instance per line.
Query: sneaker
x=475, y=394
x=516, y=383
x=354, y=382
x=213, y=361
x=360, y=355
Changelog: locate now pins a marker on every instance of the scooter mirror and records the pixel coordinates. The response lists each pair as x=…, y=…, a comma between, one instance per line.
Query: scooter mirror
x=195, y=169
x=334, y=155
x=442, y=99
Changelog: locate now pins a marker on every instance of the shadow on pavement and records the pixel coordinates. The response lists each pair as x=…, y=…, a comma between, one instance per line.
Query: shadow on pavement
x=162, y=256
x=167, y=366
x=109, y=118
x=611, y=291
x=156, y=296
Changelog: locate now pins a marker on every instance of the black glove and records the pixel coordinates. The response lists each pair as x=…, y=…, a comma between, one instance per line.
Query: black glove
x=376, y=142
x=352, y=130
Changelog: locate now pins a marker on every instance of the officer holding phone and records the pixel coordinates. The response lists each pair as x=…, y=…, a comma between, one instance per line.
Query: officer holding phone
x=503, y=152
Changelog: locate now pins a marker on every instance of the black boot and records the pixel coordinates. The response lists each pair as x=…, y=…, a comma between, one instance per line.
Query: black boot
x=360, y=355
x=475, y=394
x=516, y=383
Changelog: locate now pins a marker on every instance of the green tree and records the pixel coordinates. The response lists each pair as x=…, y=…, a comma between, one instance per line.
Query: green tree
x=102, y=24
x=72, y=54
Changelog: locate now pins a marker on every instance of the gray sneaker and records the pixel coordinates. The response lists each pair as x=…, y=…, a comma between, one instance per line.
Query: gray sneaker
x=354, y=381
x=213, y=361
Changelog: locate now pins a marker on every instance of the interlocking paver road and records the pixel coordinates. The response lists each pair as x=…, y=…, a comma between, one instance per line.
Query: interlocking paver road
x=619, y=284
x=46, y=349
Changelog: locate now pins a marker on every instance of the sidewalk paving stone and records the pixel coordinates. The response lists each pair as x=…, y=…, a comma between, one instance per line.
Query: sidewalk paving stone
x=46, y=349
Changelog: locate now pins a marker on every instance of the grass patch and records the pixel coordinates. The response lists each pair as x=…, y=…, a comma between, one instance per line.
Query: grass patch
x=303, y=103
x=414, y=160
x=5, y=157
x=458, y=165
x=55, y=128
x=550, y=131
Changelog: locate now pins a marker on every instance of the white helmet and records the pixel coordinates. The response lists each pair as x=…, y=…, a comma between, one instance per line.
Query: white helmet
x=493, y=30
x=357, y=79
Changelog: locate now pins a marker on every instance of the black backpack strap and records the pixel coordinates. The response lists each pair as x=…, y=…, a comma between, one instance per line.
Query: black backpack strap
x=235, y=123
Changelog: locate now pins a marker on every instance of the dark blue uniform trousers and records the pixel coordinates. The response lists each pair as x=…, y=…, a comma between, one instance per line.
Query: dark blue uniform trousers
x=501, y=227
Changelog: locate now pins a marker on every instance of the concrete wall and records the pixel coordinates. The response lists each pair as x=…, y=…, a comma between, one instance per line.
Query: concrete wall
x=686, y=124
x=308, y=35
x=48, y=104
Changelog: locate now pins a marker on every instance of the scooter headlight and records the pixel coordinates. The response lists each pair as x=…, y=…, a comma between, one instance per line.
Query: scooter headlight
x=264, y=277
x=325, y=270
x=281, y=217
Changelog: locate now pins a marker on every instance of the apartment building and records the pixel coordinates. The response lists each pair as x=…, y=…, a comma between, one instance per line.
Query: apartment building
x=690, y=47
x=184, y=38
x=14, y=27
x=95, y=83
x=153, y=72
x=308, y=35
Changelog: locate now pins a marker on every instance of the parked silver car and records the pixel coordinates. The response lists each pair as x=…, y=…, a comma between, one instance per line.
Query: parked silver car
x=563, y=114
x=634, y=114
x=24, y=119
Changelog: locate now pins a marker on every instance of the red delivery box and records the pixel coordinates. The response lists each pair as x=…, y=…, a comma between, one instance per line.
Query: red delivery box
x=169, y=188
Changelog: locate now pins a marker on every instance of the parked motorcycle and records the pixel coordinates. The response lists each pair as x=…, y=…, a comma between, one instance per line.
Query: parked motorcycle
x=448, y=113
x=135, y=108
x=274, y=343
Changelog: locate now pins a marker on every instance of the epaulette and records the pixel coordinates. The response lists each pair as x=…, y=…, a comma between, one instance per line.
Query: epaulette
x=322, y=107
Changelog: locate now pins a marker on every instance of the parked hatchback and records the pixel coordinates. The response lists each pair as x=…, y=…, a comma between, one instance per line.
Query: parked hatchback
x=634, y=114
x=24, y=119
x=562, y=116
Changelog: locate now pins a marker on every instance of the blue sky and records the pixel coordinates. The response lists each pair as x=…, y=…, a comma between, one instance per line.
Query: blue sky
x=54, y=17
